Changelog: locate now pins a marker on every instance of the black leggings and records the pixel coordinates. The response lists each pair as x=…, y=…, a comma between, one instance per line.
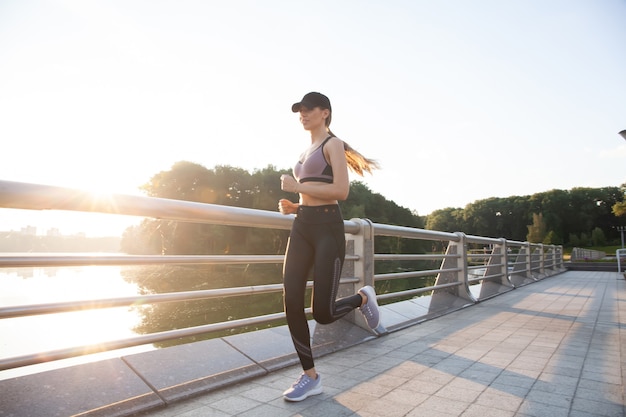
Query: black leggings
x=316, y=241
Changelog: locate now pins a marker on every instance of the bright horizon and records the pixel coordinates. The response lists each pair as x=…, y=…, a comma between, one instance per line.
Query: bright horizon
x=102, y=95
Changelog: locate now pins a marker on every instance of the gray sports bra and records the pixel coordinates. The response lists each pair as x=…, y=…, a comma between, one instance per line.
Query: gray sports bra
x=315, y=167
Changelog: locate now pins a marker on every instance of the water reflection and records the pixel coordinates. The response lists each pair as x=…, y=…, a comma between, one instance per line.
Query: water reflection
x=176, y=315
x=34, y=334
x=398, y=285
x=22, y=286
x=47, y=285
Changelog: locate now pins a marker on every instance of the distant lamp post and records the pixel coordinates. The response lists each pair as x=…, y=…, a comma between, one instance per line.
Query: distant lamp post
x=622, y=228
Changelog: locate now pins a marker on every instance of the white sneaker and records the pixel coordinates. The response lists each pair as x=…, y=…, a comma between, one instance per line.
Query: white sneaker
x=304, y=387
x=370, y=309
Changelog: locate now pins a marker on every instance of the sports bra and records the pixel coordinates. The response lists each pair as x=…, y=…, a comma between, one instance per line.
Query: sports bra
x=315, y=167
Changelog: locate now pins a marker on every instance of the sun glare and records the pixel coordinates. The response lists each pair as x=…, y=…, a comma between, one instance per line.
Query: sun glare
x=95, y=214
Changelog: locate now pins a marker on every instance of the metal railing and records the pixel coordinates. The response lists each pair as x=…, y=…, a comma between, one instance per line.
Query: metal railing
x=462, y=278
x=619, y=253
x=582, y=254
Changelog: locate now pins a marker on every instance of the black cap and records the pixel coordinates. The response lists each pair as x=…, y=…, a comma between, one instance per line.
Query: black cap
x=311, y=101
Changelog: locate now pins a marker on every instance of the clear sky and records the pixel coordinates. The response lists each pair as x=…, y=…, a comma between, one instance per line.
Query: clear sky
x=458, y=100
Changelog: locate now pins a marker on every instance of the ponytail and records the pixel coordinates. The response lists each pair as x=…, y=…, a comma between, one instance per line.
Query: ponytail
x=357, y=162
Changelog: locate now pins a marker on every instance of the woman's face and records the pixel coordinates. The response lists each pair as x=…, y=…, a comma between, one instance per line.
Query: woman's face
x=312, y=119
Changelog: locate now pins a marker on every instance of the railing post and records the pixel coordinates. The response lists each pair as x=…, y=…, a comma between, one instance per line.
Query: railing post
x=521, y=274
x=528, y=266
x=548, y=256
x=558, y=255
x=541, y=261
x=504, y=261
x=551, y=260
x=498, y=265
x=454, y=270
x=364, y=249
x=361, y=244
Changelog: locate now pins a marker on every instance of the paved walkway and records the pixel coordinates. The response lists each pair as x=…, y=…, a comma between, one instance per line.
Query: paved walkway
x=552, y=348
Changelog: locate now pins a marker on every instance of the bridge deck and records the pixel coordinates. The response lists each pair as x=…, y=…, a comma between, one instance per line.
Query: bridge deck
x=552, y=348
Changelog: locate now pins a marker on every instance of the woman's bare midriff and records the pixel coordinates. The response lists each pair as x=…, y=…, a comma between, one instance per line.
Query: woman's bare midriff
x=308, y=200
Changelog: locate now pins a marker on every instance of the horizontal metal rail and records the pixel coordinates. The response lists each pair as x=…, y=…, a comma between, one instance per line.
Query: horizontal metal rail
x=485, y=278
x=411, y=233
x=20, y=195
x=412, y=274
x=32, y=359
x=68, y=306
x=411, y=257
x=16, y=261
x=417, y=291
x=40, y=197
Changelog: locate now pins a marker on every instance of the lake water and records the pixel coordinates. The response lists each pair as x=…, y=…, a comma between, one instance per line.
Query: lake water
x=27, y=335
x=41, y=333
x=34, y=334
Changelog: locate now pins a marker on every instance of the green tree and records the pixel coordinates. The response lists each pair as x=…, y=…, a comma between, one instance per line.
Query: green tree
x=552, y=238
x=446, y=220
x=597, y=237
x=555, y=208
x=232, y=186
x=536, y=231
x=619, y=208
x=564, y=212
x=222, y=185
x=363, y=203
x=592, y=208
x=497, y=217
x=584, y=239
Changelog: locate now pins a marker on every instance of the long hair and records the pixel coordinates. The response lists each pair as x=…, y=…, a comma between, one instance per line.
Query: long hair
x=356, y=162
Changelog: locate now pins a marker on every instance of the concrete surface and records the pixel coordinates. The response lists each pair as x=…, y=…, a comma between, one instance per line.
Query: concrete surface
x=552, y=348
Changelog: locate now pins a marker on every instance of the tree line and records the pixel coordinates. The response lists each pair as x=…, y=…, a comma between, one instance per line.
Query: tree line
x=19, y=242
x=231, y=186
x=580, y=216
x=556, y=217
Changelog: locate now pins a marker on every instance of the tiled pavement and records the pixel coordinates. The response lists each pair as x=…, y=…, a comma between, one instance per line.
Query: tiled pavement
x=549, y=349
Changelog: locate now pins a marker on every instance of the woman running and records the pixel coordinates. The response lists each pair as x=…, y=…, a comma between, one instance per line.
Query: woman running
x=317, y=239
